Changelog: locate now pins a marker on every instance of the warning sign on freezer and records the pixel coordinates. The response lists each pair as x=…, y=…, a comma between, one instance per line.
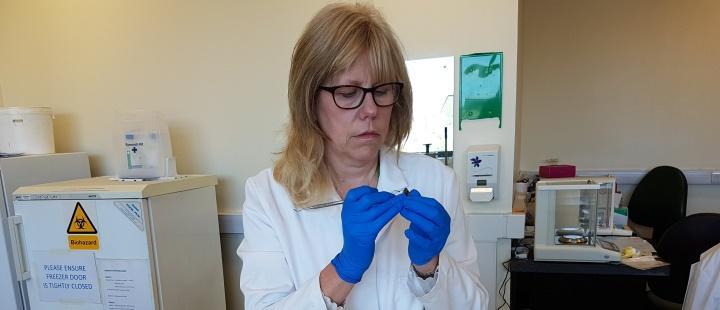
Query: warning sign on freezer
x=83, y=242
x=133, y=211
x=67, y=277
x=80, y=222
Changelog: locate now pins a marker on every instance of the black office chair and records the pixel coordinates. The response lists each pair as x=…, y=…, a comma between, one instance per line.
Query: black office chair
x=681, y=246
x=659, y=200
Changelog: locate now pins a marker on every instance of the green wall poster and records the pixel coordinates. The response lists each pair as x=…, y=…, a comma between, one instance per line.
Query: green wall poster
x=480, y=87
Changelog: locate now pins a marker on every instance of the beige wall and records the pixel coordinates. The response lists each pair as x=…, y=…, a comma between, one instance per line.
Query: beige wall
x=217, y=69
x=620, y=84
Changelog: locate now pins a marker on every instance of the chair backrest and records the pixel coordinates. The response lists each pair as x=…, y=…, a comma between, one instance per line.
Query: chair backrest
x=659, y=200
x=681, y=246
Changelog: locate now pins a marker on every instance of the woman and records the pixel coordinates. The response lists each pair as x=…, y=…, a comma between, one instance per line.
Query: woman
x=384, y=247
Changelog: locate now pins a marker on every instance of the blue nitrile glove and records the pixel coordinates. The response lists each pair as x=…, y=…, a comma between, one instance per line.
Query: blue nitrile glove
x=365, y=212
x=429, y=227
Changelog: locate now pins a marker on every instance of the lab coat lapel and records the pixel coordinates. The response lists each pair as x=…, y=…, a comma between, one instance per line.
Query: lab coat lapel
x=391, y=178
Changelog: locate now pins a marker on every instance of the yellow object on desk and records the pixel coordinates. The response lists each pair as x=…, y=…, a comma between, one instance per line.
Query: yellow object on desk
x=629, y=252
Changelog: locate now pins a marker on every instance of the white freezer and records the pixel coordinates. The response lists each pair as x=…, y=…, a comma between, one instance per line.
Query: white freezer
x=22, y=171
x=153, y=245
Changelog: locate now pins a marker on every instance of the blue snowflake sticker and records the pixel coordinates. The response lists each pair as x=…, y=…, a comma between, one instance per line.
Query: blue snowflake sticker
x=475, y=161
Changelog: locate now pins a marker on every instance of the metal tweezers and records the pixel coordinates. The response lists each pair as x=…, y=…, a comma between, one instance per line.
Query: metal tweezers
x=404, y=191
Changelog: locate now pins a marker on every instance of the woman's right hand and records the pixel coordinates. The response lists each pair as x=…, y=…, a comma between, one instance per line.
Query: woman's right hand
x=365, y=212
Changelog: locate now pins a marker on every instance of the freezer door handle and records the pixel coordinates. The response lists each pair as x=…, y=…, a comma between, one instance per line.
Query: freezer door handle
x=21, y=269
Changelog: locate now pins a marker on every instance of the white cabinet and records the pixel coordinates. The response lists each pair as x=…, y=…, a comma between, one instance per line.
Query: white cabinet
x=105, y=244
x=22, y=171
x=492, y=234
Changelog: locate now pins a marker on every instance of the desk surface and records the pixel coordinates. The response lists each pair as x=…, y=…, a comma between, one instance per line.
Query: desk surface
x=531, y=266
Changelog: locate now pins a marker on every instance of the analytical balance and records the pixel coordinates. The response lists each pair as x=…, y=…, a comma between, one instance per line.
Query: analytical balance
x=568, y=214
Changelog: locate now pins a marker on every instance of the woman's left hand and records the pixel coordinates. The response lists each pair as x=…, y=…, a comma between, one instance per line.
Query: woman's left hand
x=429, y=227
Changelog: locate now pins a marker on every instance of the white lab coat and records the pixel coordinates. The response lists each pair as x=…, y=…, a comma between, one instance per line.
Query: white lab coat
x=284, y=251
x=703, y=291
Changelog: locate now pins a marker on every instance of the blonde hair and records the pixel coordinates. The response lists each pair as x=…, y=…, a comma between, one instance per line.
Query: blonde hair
x=330, y=43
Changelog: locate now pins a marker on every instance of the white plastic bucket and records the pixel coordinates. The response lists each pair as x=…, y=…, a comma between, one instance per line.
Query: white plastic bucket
x=26, y=130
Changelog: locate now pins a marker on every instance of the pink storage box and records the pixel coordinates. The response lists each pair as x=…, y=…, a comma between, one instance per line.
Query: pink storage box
x=557, y=171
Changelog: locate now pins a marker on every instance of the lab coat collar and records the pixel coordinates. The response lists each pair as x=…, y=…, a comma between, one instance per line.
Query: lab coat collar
x=391, y=178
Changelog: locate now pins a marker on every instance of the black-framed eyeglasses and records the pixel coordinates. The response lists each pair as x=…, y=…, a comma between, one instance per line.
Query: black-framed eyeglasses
x=350, y=96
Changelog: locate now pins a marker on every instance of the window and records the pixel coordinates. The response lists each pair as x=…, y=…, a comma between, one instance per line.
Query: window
x=433, y=88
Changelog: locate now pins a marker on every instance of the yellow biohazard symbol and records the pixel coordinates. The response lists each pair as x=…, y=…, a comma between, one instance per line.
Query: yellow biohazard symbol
x=80, y=223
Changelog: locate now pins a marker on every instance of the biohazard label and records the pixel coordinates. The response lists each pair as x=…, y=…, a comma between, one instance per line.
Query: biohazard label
x=83, y=242
x=80, y=222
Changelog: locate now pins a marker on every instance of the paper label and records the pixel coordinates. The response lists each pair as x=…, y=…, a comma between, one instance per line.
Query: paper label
x=126, y=284
x=67, y=277
x=132, y=211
